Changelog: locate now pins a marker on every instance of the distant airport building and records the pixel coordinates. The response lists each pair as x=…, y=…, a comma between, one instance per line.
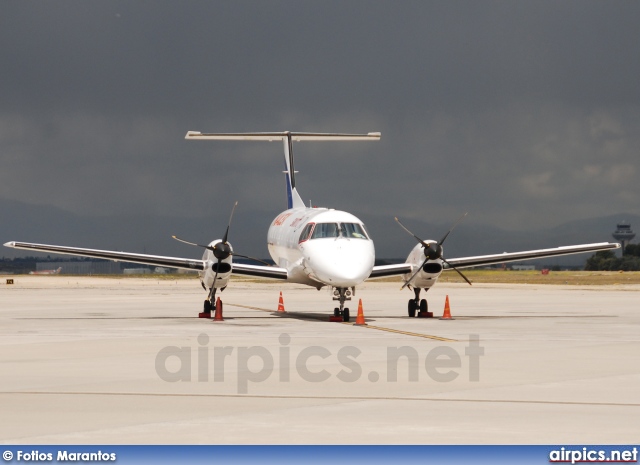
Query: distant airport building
x=623, y=234
x=84, y=267
x=523, y=267
x=136, y=271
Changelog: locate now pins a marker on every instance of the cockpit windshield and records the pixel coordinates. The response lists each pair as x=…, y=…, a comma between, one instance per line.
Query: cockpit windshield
x=346, y=230
x=323, y=230
x=353, y=231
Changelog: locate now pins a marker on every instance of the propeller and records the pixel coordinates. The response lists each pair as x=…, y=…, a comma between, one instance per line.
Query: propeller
x=433, y=250
x=221, y=250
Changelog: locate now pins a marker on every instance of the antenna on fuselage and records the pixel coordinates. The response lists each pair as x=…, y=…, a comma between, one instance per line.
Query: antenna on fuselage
x=293, y=198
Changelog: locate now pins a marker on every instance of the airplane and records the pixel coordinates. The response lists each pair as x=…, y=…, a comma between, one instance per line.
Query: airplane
x=47, y=271
x=316, y=247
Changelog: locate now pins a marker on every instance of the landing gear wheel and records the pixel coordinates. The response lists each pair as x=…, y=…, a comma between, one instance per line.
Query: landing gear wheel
x=336, y=311
x=207, y=307
x=423, y=306
x=412, y=308
x=345, y=315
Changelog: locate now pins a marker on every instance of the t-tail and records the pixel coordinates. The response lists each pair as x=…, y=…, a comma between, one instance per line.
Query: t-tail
x=293, y=198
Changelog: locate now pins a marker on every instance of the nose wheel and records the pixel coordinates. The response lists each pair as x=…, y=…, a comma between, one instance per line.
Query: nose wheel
x=344, y=314
x=341, y=313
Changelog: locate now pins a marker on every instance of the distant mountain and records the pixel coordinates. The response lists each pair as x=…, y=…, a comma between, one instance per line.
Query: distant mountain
x=152, y=234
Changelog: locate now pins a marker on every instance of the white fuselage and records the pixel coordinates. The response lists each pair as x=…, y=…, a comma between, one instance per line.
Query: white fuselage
x=335, y=250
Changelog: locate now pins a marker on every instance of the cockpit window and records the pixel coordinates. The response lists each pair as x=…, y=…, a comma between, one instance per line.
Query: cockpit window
x=323, y=230
x=347, y=230
x=353, y=231
x=304, y=235
x=364, y=228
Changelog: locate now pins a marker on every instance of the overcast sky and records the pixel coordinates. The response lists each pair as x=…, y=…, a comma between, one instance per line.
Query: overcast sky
x=525, y=114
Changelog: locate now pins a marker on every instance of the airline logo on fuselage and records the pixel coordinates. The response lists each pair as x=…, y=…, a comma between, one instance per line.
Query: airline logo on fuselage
x=280, y=219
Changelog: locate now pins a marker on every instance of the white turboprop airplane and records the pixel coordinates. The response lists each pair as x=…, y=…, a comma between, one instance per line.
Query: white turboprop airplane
x=316, y=246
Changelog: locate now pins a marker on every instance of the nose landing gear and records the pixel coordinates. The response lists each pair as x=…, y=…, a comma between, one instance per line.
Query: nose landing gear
x=341, y=314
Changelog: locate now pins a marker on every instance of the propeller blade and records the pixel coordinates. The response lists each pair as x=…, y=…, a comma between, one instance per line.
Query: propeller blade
x=251, y=258
x=226, y=234
x=215, y=278
x=440, y=242
x=414, y=274
x=457, y=271
x=192, y=243
x=424, y=244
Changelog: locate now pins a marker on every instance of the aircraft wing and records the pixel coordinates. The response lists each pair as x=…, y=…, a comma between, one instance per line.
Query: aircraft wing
x=483, y=260
x=156, y=260
x=261, y=271
x=384, y=271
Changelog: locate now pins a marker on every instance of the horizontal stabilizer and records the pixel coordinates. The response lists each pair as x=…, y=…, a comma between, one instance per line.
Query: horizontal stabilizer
x=271, y=136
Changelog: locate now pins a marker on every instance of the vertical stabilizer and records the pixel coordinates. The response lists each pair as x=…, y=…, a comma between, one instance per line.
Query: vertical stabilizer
x=293, y=198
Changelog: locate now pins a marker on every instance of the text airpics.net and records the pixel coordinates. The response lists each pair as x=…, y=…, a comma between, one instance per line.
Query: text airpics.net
x=256, y=364
x=593, y=455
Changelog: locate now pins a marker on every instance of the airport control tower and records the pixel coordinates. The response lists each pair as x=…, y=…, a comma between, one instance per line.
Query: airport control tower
x=624, y=234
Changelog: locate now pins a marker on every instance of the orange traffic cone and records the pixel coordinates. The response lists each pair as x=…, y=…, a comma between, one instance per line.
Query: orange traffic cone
x=447, y=311
x=218, y=315
x=360, y=318
x=281, y=304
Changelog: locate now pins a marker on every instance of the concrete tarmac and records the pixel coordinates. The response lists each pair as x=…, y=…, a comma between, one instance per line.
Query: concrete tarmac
x=126, y=361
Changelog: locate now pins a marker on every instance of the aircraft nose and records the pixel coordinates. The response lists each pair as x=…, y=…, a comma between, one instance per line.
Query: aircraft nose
x=341, y=263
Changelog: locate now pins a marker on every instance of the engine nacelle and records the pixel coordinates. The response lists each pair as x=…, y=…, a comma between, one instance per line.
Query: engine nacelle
x=430, y=271
x=213, y=265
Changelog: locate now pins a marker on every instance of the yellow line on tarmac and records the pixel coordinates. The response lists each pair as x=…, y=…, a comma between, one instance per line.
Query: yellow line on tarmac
x=252, y=308
x=379, y=328
x=409, y=333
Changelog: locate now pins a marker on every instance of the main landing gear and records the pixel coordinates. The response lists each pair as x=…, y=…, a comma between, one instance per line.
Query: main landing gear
x=342, y=294
x=210, y=304
x=420, y=306
x=207, y=309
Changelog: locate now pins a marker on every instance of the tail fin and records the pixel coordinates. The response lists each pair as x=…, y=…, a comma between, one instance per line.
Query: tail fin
x=293, y=198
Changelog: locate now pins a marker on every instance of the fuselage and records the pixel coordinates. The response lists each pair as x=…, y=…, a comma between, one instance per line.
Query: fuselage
x=321, y=247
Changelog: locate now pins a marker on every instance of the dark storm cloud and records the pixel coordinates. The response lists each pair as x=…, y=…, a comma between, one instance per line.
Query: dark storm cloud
x=527, y=114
